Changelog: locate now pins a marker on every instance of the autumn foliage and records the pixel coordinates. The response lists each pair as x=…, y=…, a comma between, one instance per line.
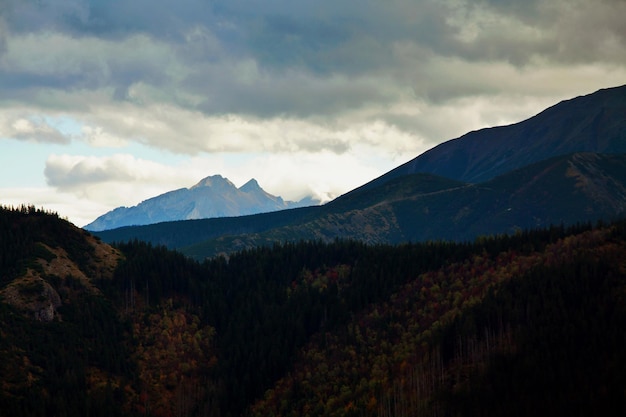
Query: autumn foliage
x=504, y=325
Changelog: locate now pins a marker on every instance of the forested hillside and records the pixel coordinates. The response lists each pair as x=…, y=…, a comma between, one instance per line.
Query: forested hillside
x=525, y=324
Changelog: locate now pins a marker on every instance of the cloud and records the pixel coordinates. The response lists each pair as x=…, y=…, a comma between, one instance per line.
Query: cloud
x=289, y=60
x=68, y=172
x=123, y=180
x=316, y=82
x=20, y=125
x=3, y=36
x=325, y=175
x=560, y=31
x=191, y=132
x=592, y=31
x=285, y=59
x=79, y=211
x=57, y=61
x=97, y=137
x=110, y=181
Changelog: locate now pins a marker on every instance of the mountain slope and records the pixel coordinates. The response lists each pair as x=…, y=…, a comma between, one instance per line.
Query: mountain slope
x=420, y=207
x=61, y=341
x=384, y=210
x=591, y=123
x=514, y=333
x=213, y=196
x=501, y=326
x=70, y=344
x=184, y=233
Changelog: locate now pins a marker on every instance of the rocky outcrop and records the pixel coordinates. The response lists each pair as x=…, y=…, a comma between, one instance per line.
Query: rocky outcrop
x=34, y=296
x=49, y=300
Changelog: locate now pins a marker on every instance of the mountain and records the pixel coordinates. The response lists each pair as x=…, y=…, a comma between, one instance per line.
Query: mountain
x=564, y=165
x=501, y=326
x=213, y=196
x=419, y=207
x=592, y=123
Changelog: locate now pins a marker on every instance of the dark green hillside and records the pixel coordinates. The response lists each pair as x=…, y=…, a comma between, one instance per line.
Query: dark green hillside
x=513, y=333
x=63, y=349
x=24, y=229
x=500, y=326
x=567, y=354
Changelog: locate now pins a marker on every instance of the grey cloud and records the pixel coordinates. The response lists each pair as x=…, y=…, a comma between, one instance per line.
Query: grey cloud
x=32, y=129
x=294, y=94
x=282, y=33
x=282, y=41
x=58, y=176
x=104, y=18
x=28, y=15
x=3, y=36
x=65, y=174
x=559, y=31
x=595, y=31
x=336, y=37
x=318, y=59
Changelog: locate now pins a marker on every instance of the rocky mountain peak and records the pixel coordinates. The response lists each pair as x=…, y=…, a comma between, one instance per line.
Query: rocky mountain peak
x=214, y=181
x=250, y=186
x=213, y=196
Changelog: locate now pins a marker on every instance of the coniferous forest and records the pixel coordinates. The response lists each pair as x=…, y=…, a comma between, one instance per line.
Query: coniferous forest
x=512, y=325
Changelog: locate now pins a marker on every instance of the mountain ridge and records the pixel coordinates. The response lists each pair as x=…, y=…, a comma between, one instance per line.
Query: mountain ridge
x=213, y=196
x=397, y=207
x=590, y=123
x=418, y=207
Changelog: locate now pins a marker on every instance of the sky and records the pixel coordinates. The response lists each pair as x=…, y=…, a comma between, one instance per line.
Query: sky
x=105, y=103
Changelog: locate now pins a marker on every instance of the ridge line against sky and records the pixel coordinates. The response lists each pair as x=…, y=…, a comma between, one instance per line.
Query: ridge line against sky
x=105, y=104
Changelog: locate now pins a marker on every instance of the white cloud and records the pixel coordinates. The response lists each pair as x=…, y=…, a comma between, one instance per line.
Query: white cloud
x=191, y=132
x=77, y=210
x=29, y=126
x=324, y=175
x=70, y=172
x=104, y=183
x=122, y=180
x=97, y=137
x=303, y=97
x=242, y=79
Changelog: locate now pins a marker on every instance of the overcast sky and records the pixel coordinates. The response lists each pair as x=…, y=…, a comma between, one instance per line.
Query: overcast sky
x=104, y=103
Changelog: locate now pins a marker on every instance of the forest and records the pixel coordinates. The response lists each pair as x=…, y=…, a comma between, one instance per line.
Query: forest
x=516, y=325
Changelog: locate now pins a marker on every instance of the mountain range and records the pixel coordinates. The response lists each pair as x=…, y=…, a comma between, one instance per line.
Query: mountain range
x=566, y=164
x=504, y=298
x=214, y=196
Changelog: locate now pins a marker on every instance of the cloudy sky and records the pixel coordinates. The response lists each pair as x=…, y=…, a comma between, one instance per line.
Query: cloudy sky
x=105, y=103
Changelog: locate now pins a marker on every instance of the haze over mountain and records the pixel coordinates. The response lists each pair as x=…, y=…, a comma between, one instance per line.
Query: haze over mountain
x=565, y=165
x=214, y=196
